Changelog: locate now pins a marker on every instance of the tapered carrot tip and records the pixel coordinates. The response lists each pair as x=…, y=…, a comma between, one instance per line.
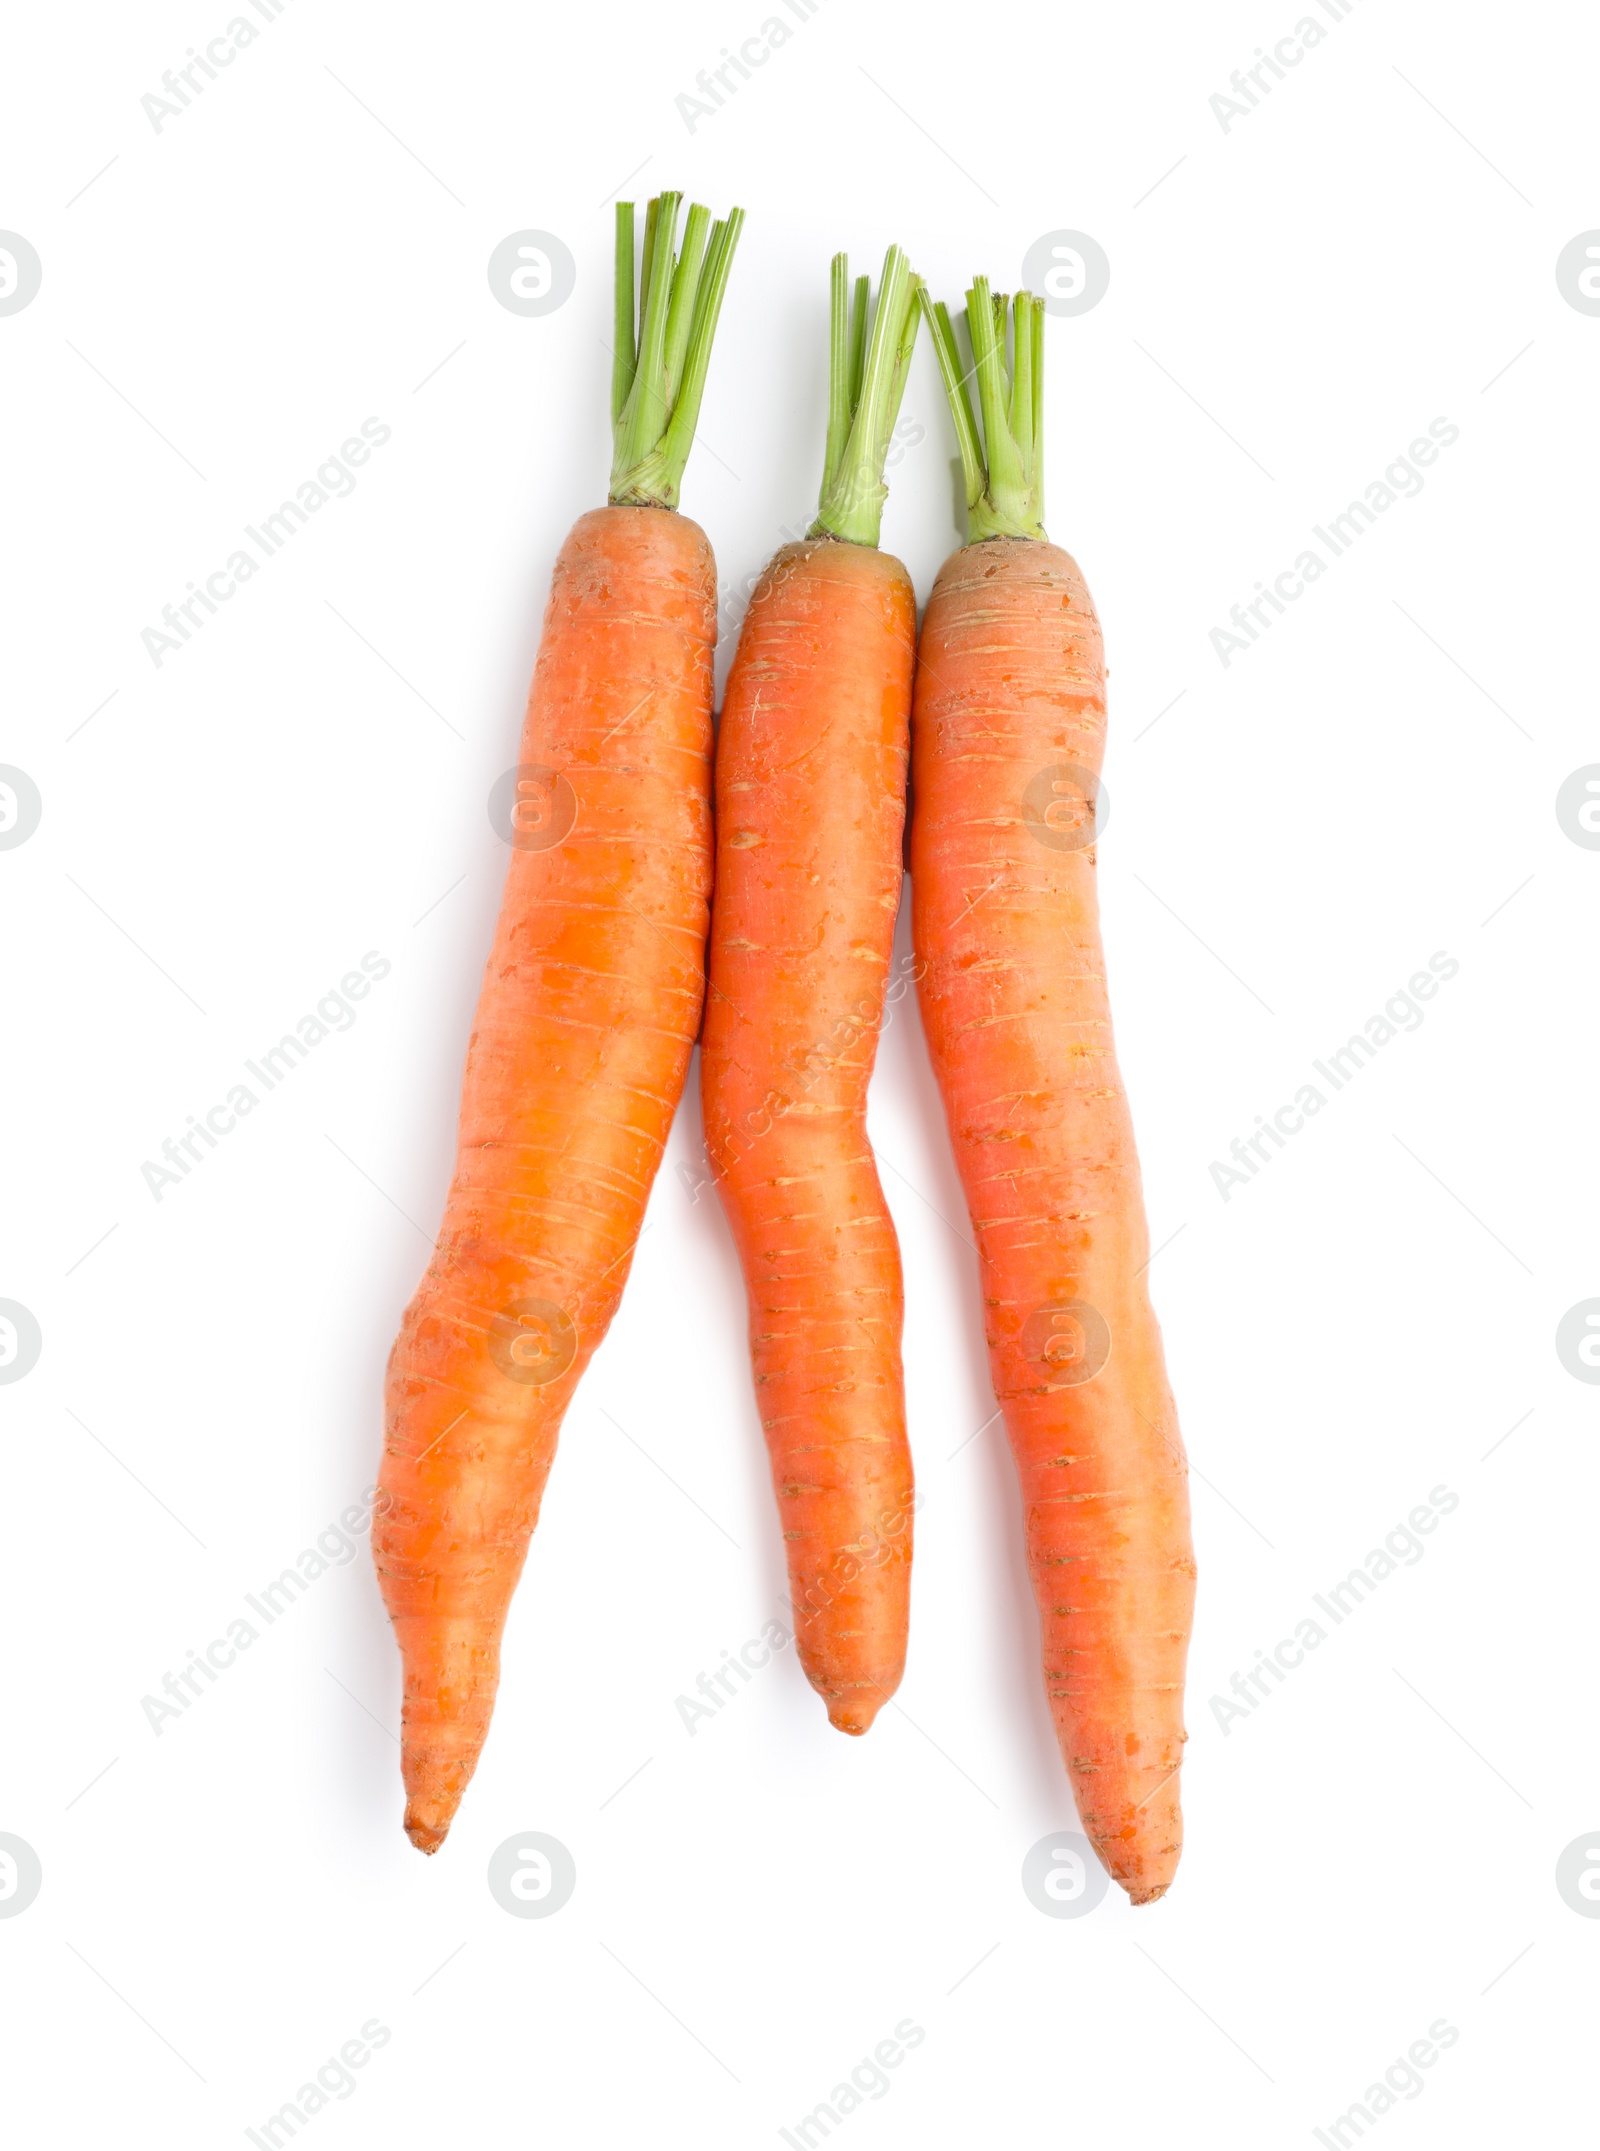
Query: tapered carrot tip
x=452, y=1669
x=1144, y=1871
x=425, y=1835
x=854, y=1714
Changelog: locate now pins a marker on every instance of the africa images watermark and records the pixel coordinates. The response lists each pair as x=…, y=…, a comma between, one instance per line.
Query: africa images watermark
x=333, y=1012
x=1401, y=2080
x=876, y=1545
x=1402, y=1547
x=724, y=1681
x=1402, y=480
x=1399, y=1013
x=334, y=480
x=184, y=84
x=336, y=1547
x=867, y=2080
x=333, y=2081
x=865, y=1018
x=1288, y=52
x=719, y=83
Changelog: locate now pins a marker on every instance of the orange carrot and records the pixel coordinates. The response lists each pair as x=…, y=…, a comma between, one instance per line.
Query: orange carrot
x=585, y=1025
x=810, y=795
x=1008, y=734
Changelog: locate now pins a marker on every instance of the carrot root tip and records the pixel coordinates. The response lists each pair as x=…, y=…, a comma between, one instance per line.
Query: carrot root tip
x=426, y=1836
x=1146, y=1897
x=853, y=1716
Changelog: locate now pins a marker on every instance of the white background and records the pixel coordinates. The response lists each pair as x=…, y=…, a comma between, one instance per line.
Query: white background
x=1292, y=301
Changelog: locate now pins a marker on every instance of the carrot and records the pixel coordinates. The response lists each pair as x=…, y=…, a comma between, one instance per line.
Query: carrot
x=1008, y=733
x=585, y=1025
x=810, y=797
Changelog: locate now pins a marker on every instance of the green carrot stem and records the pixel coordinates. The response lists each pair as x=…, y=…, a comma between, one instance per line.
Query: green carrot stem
x=685, y=284
x=1003, y=468
x=1022, y=379
x=858, y=336
x=1036, y=327
x=652, y=211
x=853, y=488
x=968, y=440
x=909, y=319
x=658, y=376
x=840, y=368
x=622, y=314
x=679, y=437
x=646, y=412
x=986, y=325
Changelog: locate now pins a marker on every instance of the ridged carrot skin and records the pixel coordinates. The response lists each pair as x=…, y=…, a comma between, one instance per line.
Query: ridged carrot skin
x=589, y=1010
x=1009, y=714
x=810, y=792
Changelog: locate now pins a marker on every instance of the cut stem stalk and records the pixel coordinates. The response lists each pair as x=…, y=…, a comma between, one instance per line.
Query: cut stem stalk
x=658, y=375
x=866, y=381
x=1003, y=466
